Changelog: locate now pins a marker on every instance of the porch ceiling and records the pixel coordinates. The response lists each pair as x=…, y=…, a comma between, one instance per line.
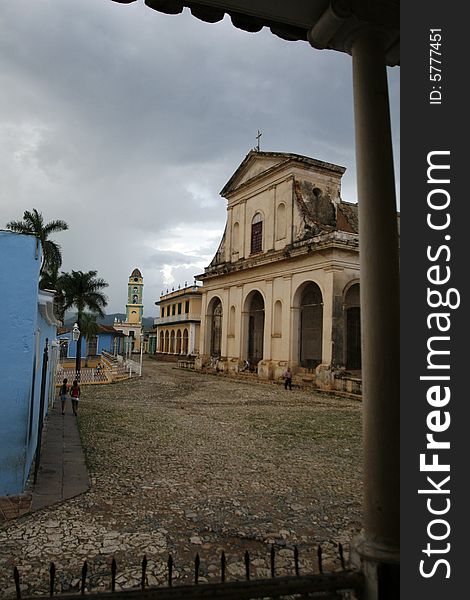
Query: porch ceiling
x=324, y=24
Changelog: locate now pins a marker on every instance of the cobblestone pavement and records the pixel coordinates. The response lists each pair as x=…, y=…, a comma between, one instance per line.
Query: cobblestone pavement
x=182, y=462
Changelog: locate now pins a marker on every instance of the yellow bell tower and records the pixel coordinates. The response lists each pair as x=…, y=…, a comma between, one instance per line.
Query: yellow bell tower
x=134, y=306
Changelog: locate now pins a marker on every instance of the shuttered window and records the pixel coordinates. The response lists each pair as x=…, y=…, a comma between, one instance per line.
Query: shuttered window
x=256, y=234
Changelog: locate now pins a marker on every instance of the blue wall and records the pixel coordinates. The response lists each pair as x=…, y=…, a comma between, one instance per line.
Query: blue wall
x=23, y=339
x=45, y=332
x=105, y=342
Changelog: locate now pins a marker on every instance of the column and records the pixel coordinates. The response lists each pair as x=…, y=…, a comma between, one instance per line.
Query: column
x=243, y=233
x=228, y=236
x=377, y=549
x=225, y=297
x=202, y=331
x=191, y=338
x=327, y=317
x=338, y=321
x=268, y=320
x=239, y=323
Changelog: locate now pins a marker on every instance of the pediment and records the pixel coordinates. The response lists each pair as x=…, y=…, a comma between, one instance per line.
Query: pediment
x=254, y=165
x=258, y=164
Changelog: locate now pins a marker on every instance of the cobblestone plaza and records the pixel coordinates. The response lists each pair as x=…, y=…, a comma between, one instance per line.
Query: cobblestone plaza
x=183, y=462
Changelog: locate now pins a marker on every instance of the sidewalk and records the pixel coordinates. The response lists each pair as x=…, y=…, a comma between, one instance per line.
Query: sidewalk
x=62, y=471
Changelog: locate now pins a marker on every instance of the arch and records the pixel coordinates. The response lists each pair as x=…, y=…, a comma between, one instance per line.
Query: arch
x=185, y=341
x=236, y=237
x=256, y=233
x=281, y=221
x=352, y=327
x=277, y=318
x=215, y=314
x=162, y=342
x=172, y=341
x=308, y=301
x=178, y=341
x=254, y=327
x=167, y=341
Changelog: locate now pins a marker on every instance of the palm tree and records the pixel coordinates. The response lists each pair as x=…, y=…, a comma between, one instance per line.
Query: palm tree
x=50, y=281
x=33, y=223
x=83, y=291
x=89, y=328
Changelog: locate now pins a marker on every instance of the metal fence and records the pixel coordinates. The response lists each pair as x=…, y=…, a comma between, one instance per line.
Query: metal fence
x=342, y=584
x=87, y=375
x=111, y=368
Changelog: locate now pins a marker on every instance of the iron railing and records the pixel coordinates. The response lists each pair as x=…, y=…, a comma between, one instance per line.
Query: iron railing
x=338, y=584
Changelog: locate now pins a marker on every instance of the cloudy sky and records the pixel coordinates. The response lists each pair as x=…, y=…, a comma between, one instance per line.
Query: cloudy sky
x=127, y=123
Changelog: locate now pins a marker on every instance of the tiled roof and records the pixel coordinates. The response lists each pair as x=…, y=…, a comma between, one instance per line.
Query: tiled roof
x=349, y=211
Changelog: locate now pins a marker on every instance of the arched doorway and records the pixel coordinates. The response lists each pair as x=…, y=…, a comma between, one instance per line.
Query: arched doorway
x=178, y=341
x=255, y=339
x=167, y=341
x=310, y=326
x=215, y=320
x=185, y=341
x=353, y=328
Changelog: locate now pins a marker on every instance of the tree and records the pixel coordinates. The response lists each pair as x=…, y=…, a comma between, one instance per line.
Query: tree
x=89, y=328
x=33, y=223
x=83, y=291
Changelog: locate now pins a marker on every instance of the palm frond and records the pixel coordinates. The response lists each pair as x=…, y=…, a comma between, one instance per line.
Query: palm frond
x=33, y=222
x=55, y=226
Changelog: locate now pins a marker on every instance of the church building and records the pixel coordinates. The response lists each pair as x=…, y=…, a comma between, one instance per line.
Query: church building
x=283, y=287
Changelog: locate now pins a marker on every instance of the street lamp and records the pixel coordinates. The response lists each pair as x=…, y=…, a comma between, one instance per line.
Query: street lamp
x=141, y=353
x=75, y=332
x=78, y=358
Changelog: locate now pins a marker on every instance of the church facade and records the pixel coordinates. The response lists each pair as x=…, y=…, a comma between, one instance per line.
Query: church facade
x=283, y=287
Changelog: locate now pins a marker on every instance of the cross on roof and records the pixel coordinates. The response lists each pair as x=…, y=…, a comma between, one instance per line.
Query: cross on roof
x=258, y=137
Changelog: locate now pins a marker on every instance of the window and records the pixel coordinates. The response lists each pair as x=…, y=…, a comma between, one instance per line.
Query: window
x=281, y=221
x=231, y=322
x=277, y=322
x=235, y=237
x=179, y=308
x=257, y=234
x=173, y=309
x=186, y=307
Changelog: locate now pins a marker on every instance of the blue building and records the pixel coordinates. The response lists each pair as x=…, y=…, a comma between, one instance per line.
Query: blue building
x=28, y=355
x=107, y=339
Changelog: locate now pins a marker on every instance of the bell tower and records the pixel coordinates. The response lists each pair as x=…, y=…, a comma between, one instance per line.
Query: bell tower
x=134, y=306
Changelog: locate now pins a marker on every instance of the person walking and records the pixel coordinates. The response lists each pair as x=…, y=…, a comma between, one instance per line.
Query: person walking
x=75, y=395
x=64, y=388
x=288, y=379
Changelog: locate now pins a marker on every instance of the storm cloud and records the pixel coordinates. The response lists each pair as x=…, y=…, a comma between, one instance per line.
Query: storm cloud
x=127, y=123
